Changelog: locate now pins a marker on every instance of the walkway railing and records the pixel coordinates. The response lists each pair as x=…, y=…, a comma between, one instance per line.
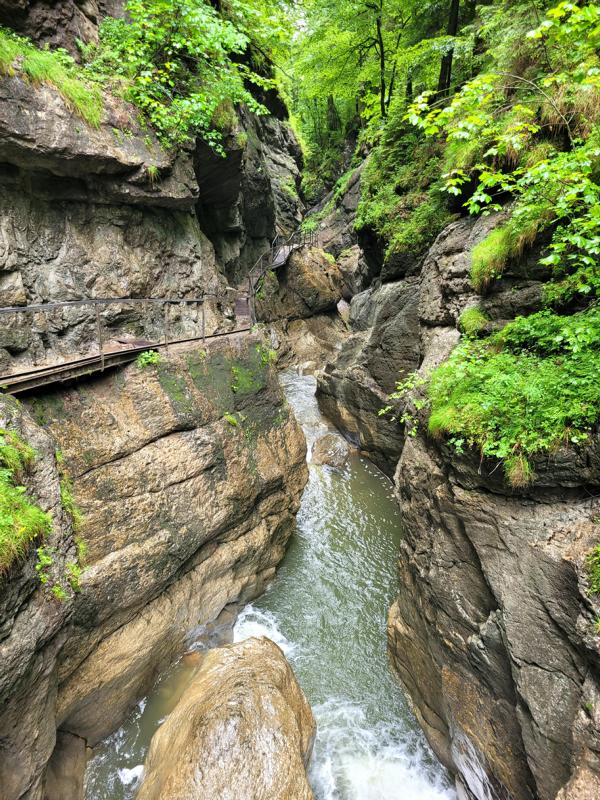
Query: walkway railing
x=277, y=255
x=110, y=350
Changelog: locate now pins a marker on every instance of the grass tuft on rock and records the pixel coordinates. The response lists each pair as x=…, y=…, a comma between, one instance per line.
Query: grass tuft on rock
x=472, y=321
x=490, y=257
x=54, y=67
x=593, y=571
x=21, y=521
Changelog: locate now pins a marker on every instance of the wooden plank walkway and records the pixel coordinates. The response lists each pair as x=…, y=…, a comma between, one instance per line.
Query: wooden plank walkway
x=112, y=354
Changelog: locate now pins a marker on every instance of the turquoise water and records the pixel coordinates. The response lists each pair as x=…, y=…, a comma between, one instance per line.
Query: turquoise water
x=327, y=610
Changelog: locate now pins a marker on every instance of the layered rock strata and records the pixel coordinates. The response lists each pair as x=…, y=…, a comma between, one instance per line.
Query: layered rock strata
x=493, y=632
x=188, y=475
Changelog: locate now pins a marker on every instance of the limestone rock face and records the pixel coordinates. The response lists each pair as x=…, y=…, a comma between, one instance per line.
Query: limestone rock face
x=32, y=624
x=58, y=23
x=251, y=194
x=307, y=285
x=243, y=729
x=384, y=346
x=80, y=217
x=107, y=213
x=336, y=230
x=493, y=632
x=113, y=163
x=188, y=475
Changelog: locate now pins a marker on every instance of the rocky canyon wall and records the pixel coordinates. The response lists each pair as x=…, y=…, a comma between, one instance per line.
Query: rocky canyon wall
x=107, y=213
x=493, y=632
x=188, y=484
x=188, y=472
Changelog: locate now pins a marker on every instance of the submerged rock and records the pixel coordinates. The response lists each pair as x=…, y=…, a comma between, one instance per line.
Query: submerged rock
x=331, y=449
x=243, y=730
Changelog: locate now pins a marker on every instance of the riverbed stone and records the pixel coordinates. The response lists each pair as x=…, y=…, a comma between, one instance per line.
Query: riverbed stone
x=331, y=449
x=243, y=729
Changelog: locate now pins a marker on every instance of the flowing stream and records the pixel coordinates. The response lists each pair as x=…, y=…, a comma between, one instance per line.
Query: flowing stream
x=327, y=610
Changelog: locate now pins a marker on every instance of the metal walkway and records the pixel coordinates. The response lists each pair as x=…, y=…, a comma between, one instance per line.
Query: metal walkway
x=114, y=351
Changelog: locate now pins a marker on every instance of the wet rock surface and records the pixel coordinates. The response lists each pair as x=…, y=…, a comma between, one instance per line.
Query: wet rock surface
x=106, y=213
x=242, y=729
x=383, y=347
x=188, y=490
x=332, y=450
x=492, y=634
x=251, y=194
x=310, y=283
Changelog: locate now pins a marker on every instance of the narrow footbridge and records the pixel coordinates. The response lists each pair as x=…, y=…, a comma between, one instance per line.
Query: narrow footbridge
x=111, y=348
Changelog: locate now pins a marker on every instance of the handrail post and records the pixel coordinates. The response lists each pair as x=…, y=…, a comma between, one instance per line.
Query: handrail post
x=99, y=334
x=166, y=325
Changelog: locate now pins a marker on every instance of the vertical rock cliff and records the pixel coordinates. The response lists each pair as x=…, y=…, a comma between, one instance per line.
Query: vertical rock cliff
x=188, y=475
x=493, y=632
x=188, y=472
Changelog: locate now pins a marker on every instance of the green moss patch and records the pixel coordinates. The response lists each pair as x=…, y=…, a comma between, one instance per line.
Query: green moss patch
x=472, y=321
x=21, y=520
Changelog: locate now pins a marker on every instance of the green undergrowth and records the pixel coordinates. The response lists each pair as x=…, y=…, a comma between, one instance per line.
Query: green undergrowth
x=401, y=198
x=528, y=389
x=53, y=67
x=21, y=520
x=593, y=570
x=148, y=358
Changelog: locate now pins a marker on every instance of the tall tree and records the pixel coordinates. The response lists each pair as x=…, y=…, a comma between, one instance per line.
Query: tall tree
x=445, y=78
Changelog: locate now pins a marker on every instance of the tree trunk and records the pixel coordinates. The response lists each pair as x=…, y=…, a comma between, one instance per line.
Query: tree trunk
x=381, y=49
x=334, y=122
x=446, y=65
x=409, y=88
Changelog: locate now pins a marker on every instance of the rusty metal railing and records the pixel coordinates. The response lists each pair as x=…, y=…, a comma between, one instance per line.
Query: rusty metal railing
x=277, y=254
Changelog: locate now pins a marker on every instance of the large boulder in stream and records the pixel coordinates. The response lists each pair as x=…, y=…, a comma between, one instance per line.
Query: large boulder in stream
x=243, y=730
x=309, y=283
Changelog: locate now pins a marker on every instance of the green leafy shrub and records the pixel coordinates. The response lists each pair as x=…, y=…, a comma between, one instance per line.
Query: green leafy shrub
x=401, y=198
x=521, y=119
x=21, y=521
x=59, y=592
x=593, y=570
x=267, y=355
x=54, y=67
x=231, y=419
x=148, y=358
x=74, y=572
x=528, y=389
x=45, y=559
x=180, y=62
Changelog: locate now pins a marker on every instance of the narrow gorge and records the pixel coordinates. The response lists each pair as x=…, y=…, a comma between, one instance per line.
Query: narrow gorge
x=300, y=360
